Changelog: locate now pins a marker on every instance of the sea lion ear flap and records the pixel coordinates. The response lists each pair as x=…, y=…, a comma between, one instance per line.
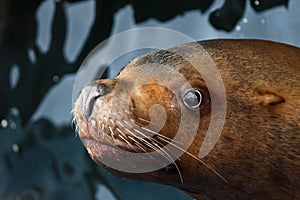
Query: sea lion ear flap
x=268, y=98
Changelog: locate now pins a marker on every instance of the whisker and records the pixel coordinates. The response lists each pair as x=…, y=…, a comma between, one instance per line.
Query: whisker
x=198, y=159
x=128, y=124
x=137, y=142
x=141, y=147
x=124, y=139
x=126, y=111
x=111, y=133
x=102, y=128
x=112, y=121
x=76, y=131
x=120, y=124
x=123, y=135
x=166, y=155
x=73, y=121
x=105, y=119
x=162, y=152
x=158, y=134
x=151, y=131
x=173, y=161
x=120, y=132
x=151, y=139
x=145, y=120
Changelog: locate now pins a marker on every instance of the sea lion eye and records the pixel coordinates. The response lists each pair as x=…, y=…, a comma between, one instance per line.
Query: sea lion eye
x=192, y=98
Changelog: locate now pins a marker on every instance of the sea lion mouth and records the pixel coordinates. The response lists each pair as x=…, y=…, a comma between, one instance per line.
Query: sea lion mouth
x=112, y=131
x=100, y=137
x=108, y=149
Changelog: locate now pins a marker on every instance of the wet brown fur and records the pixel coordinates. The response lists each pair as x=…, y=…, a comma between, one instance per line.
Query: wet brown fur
x=258, y=152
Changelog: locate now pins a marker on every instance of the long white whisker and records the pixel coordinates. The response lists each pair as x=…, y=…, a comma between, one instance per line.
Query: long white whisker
x=165, y=154
x=138, y=143
x=155, y=133
x=123, y=136
x=162, y=152
x=126, y=141
x=141, y=147
x=151, y=139
x=198, y=159
x=144, y=120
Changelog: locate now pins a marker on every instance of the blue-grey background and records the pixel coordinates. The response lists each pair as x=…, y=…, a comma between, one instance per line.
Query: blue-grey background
x=278, y=24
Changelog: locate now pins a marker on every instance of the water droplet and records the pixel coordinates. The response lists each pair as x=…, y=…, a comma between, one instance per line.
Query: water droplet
x=4, y=123
x=263, y=21
x=15, y=148
x=55, y=78
x=245, y=20
x=31, y=55
x=237, y=28
x=257, y=3
x=14, y=76
x=14, y=111
x=217, y=14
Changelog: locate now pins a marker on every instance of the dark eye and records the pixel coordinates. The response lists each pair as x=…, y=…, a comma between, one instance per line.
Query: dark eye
x=192, y=98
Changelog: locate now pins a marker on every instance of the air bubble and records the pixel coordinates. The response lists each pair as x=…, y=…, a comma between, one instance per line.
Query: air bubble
x=55, y=78
x=4, y=123
x=13, y=125
x=15, y=148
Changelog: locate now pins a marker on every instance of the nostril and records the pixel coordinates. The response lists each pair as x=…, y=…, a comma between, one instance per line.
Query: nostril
x=102, y=89
x=90, y=94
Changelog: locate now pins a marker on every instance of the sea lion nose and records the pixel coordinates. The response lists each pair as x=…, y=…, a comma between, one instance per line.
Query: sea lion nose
x=90, y=93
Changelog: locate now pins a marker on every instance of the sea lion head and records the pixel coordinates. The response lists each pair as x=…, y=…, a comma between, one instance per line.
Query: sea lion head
x=153, y=115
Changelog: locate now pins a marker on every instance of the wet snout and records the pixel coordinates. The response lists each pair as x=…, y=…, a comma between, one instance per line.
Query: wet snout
x=90, y=93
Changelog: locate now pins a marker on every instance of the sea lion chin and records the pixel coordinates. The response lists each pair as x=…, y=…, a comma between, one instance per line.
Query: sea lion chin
x=140, y=112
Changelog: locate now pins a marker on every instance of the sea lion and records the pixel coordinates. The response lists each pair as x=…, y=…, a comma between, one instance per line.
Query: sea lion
x=257, y=155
